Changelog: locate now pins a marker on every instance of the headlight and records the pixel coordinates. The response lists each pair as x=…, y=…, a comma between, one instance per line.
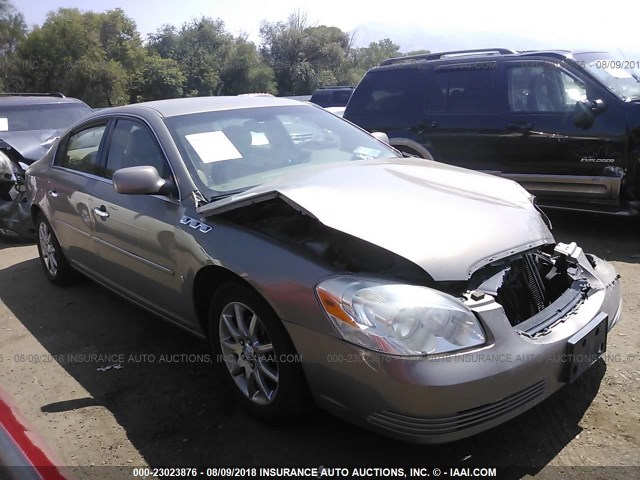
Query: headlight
x=398, y=319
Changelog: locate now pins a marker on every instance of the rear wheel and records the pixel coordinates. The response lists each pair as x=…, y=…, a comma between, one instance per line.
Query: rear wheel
x=255, y=353
x=54, y=263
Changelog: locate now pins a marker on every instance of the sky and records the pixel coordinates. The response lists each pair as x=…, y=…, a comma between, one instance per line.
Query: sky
x=412, y=24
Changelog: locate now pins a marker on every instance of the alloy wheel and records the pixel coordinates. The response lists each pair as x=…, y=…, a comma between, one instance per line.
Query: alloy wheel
x=248, y=353
x=48, y=249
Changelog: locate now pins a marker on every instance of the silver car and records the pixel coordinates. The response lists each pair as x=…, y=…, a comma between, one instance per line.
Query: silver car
x=423, y=301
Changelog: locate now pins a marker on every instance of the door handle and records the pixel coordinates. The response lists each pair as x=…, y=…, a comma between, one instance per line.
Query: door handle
x=53, y=193
x=101, y=212
x=520, y=126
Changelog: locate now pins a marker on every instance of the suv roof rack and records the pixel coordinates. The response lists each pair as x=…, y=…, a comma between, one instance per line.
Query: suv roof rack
x=335, y=86
x=23, y=94
x=451, y=53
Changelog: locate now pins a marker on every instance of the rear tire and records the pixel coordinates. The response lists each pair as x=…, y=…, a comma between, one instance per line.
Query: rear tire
x=54, y=263
x=256, y=355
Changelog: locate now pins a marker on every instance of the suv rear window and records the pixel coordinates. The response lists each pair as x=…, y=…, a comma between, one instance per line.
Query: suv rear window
x=381, y=92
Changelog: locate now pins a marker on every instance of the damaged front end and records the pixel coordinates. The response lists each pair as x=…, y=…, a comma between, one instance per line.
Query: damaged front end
x=15, y=219
x=541, y=288
x=536, y=288
x=277, y=219
x=536, y=284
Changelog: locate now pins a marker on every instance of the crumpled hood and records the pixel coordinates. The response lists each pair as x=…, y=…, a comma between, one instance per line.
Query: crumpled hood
x=450, y=221
x=28, y=143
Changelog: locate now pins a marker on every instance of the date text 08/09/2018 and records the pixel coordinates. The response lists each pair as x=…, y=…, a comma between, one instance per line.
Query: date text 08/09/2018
x=317, y=472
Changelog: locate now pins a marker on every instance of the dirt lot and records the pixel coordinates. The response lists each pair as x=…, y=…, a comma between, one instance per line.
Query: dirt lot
x=177, y=413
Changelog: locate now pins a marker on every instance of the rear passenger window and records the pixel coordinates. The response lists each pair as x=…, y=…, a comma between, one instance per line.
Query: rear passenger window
x=381, y=92
x=81, y=151
x=133, y=145
x=465, y=88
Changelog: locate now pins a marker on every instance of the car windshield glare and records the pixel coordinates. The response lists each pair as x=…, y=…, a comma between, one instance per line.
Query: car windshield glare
x=233, y=150
x=621, y=77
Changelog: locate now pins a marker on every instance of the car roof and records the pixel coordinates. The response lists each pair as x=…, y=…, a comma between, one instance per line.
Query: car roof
x=190, y=105
x=17, y=100
x=496, y=54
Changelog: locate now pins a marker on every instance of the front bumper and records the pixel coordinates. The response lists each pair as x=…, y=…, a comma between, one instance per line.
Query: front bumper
x=444, y=398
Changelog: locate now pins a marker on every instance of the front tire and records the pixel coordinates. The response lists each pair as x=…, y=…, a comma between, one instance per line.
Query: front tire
x=255, y=354
x=54, y=263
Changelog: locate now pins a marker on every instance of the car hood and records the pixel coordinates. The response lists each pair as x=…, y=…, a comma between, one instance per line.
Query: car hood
x=29, y=144
x=450, y=221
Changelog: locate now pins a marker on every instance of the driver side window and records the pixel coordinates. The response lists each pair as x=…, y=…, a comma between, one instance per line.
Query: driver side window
x=538, y=87
x=133, y=145
x=82, y=150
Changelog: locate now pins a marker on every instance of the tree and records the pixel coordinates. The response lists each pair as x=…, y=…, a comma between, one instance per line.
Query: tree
x=212, y=60
x=159, y=78
x=304, y=57
x=201, y=48
x=12, y=31
x=376, y=53
x=421, y=51
x=245, y=72
x=93, y=56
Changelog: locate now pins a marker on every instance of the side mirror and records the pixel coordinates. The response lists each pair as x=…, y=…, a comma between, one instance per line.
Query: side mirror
x=143, y=180
x=586, y=112
x=383, y=137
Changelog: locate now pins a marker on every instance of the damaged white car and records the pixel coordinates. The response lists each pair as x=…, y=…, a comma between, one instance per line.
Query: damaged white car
x=420, y=300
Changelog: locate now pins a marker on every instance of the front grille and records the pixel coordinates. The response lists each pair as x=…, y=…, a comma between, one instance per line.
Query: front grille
x=528, y=285
x=534, y=283
x=464, y=420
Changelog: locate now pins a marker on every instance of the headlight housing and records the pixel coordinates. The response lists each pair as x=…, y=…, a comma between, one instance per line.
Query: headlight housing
x=398, y=319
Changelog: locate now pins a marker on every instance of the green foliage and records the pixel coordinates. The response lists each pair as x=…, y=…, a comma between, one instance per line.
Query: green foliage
x=418, y=52
x=12, y=31
x=157, y=79
x=101, y=59
x=93, y=56
x=305, y=57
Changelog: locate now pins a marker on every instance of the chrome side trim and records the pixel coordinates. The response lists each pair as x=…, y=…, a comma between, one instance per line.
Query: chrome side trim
x=136, y=257
x=605, y=188
x=75, y=229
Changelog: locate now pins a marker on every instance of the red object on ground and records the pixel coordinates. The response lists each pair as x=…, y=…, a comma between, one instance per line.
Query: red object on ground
x=23, y=453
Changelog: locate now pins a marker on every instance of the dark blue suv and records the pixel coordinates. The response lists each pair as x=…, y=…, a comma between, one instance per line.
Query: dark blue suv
x=566, y=125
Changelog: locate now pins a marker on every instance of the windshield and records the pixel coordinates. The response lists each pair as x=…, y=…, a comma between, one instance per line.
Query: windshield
x=56, y=116
x=233, y=150
x=621, y=77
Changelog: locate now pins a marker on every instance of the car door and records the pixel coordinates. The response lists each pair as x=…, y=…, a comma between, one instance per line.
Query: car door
x=74, y=174
x=135, y=234
x=544, y=149
x=459, y=124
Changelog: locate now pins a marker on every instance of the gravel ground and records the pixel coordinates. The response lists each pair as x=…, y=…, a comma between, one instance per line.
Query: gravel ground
x=161, y=410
